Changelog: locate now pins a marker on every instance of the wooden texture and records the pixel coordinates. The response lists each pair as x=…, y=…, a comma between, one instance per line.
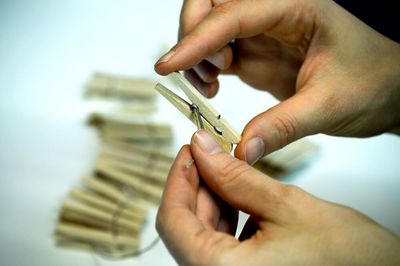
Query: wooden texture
x=146, y=171
x=112, y=192
x=102, y=203
x=205, y=108
x=185, y=109
x=110, y=219
x=107, y=213
x=73, y=231
x=144, y=189
x=120, y=87
x=132, y=153
x=114, y=127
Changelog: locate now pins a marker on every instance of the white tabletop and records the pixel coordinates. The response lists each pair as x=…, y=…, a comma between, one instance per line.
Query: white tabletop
x=49, y=49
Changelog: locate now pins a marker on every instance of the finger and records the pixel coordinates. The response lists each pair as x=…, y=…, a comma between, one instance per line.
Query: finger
x=192, y=12
x=214, y=213
x=180, y=229
x=267, y=65
x=236, y=182
x=207, y=208
x=209, y=90
x=176, y=218
x=221, y=59
x=299, y=116
x=206, y=71
x=182, y=183
x=225, y=22
x=205, y=74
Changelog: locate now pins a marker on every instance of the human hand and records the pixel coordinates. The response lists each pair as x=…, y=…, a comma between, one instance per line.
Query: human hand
x=334, y=74
x=287, y=226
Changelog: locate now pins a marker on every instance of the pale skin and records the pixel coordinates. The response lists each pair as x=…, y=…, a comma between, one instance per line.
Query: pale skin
x=334, y=75
x=288, y=226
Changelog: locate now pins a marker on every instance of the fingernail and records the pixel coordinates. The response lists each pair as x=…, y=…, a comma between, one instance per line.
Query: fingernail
x=254, y=150
x=206, y=142
x=217, y=59
x=165, y=58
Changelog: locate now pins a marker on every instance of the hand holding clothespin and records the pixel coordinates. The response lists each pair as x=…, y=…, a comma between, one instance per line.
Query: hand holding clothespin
x=200, y=112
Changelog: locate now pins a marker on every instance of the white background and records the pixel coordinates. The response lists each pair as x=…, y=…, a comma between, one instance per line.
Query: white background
x=49, y=49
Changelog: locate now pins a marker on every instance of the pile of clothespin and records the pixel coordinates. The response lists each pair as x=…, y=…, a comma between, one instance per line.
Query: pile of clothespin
x=108, y=211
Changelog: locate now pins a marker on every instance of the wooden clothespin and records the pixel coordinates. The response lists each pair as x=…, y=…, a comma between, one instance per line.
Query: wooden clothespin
x=120, y=87
x=200, y=112
x=115, y=127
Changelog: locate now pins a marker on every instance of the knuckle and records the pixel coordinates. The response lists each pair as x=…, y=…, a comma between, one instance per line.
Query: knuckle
x=225, y=8
x=288, y=191
x=160, y=222
x=286, y=126
x=333, y=110
x=280, y=199
x=230, y=173
x=291, y=197
x=229, y=9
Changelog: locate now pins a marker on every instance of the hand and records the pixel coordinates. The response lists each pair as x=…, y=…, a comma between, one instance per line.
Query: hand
x=287, y=226
x=334, y=74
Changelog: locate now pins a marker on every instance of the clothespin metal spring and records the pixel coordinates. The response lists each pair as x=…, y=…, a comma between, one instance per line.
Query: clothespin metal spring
x=197, y=116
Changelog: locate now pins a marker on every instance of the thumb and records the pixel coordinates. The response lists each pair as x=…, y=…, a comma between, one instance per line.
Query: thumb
x=299, y=116
x=236, y=182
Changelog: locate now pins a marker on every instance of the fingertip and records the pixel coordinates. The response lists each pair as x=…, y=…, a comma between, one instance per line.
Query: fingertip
x=208, y=90
x=164, y=68
x=254, y=143
x=253, y=146
x=160, y=69
x=205, y=141
x=239, y=151
x=212, y=89
x=182, y=182
x=185, y=149
x=161, y=66
x=272, y=130
x=184, y=162
x=254, y=150
x=195, y=80
x=221, y=59
x=183, y=152
x=206, y=71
